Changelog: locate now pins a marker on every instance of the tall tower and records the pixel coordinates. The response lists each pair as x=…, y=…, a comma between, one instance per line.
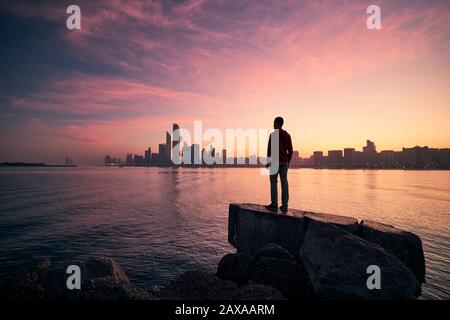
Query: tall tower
x=168, y=148
x=176, y=139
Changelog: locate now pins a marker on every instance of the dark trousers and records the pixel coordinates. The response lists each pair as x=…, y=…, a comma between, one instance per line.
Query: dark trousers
x=282, y=172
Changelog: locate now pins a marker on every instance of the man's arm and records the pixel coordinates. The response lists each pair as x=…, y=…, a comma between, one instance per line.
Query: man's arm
x=269, y=147
x=289, y=148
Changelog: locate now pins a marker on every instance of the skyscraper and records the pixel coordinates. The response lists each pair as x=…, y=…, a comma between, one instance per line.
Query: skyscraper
x=195, y=154
x=162, y=156
x=224, y=156
x=129, y=158
x=148, y=156
x=370, y=154
x=349, y=157
x=186, y=154
x=176, y=139
x=167, y=153
x=335, y=158
x=318, y=159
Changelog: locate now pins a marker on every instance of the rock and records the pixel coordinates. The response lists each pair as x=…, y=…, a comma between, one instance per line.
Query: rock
x=235, y=267
x=111, y=289
x=406, y=246
x=101, y=279
x=198, y=285
x=337, y=261
x=255, y=291
x=346, y=223
x=287, y=276
x=201, y=285
x=252, y=227
x=102, y=267
x=274, y=251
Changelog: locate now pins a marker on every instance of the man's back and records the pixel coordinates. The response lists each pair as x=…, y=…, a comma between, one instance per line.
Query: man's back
x=285, y=149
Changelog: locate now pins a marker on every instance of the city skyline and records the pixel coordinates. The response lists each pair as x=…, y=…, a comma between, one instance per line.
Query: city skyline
x=174, y=152
x=114, y=85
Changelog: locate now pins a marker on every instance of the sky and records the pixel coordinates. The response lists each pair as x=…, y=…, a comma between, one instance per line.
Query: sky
x=136, y=67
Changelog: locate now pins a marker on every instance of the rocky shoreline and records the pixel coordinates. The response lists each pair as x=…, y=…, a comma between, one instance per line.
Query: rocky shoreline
x=300, y=255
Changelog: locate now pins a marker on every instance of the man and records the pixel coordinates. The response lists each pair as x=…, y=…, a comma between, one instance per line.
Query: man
x=285, y=156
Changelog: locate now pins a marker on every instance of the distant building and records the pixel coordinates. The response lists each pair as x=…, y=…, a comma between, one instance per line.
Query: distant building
x=224, y=156
x=349, y=157
x=386, y=159
x=148, y=156
x=195, y=154
x=176, y=140
x=444, y=158
x=167, y=153
x=186, y=154
x=335, y=159
x=154, y=158
x=433, y=157
x=416, y=157
x=163, y=153
x=318, y=160
x=109, y=161
x=359, y=159
x=370, y=154
x=129, y=159
x=138, y=160
x=295, y=161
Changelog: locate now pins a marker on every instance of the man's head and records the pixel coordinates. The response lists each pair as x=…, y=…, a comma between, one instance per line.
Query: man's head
x=278, y=123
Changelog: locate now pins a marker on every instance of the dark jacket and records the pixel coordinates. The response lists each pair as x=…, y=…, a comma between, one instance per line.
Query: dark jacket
x=285, y=147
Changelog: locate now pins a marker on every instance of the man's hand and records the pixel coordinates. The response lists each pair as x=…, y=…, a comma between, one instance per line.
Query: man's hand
x=267, y=165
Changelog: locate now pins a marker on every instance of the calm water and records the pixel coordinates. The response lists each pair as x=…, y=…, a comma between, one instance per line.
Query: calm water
x=159, y=222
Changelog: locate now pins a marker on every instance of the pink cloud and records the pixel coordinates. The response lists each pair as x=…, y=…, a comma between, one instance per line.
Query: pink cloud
x=84, y=94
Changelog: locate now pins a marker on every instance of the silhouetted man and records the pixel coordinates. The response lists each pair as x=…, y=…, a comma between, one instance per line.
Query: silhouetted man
x=285, y=156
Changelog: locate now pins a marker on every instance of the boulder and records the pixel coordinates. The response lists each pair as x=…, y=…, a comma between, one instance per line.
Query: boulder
x=252, y=227
x=101, y=279
x=111, y=289
x=102, y=267
x=406, y=246
x=198, y=285
x=201, y=285
x=346, y=223
x=287, y=276
x=337, y=261
x=235, y=267
x=274, y=251
x=254, y=291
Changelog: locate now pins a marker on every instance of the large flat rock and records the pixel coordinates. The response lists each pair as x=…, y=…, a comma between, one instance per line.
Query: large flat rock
x=251, y=227
x=348, y=224
x=406, y=246
x=336, y=262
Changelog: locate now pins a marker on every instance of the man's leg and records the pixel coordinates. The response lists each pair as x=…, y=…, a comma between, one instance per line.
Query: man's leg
x=284, y=185
x=274, y=189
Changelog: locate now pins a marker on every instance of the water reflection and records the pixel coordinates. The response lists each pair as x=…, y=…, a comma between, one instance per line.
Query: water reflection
x=159, y=222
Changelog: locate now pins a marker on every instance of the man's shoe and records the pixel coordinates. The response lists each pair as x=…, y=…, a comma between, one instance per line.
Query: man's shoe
x=272, y=207
x=284, y=208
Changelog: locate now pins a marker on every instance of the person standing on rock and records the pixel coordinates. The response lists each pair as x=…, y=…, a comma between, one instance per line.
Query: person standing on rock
x=285, y=156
